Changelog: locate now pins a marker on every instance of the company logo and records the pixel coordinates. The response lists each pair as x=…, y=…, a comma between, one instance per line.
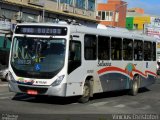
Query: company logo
x=23, y=81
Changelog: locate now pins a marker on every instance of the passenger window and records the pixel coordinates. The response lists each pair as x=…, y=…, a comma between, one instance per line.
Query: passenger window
x=154, y=51
x=127, y=49
x=90, y=47
x=138, y=50
x=147, y=51
x=103, y=48
x=116, y=48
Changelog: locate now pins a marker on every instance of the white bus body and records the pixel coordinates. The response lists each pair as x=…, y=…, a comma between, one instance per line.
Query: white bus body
x=75, y=77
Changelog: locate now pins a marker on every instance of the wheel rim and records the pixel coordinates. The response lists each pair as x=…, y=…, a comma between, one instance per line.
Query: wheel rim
x=135, y=87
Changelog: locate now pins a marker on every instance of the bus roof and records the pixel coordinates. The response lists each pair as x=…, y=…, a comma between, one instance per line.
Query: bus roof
x=104, y=31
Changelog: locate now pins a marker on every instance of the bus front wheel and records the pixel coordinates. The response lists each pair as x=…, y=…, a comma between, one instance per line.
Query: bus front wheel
x=86, y=93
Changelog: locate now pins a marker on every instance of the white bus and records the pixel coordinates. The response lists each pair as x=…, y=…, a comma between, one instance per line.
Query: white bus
x=75, y=60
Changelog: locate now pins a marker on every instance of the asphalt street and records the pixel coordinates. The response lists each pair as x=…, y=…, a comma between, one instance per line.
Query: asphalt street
x=119, y=102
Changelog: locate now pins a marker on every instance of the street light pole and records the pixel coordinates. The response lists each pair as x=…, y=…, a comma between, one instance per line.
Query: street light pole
x=114, y=15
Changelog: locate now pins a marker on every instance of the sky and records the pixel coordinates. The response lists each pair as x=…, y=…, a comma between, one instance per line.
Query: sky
x=150, y=6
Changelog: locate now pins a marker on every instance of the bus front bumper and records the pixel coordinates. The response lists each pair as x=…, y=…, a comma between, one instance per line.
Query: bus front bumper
x=59, y=90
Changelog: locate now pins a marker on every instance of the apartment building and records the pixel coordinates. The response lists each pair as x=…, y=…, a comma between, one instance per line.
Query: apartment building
x=136, y=19
x=48, y=10
x=112, y=13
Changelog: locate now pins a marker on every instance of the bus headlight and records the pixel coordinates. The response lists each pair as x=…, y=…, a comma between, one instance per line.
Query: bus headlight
x=58, y=80
x=10, y=77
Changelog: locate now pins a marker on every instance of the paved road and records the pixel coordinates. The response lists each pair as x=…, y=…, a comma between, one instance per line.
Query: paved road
x=146, y=102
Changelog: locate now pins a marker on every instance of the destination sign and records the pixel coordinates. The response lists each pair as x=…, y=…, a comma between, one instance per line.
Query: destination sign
x=41, y=30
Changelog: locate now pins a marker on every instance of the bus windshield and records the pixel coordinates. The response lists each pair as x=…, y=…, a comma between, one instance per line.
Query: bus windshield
x=38, y=57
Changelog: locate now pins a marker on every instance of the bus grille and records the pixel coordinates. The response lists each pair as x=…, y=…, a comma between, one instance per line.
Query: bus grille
x=39, y=90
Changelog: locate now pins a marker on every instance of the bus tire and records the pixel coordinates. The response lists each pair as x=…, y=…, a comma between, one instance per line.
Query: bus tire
x=86, y=93
x=134, y=86
x=5, y=78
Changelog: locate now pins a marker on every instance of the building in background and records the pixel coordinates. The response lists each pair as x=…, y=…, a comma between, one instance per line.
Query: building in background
x=153, y=29
x=136, y=19
x=136, y=10
x=48, y=10
x=112, y=13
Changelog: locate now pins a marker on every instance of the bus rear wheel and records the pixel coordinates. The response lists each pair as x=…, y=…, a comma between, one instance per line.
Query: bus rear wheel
x=86, y=93
x=135, y=86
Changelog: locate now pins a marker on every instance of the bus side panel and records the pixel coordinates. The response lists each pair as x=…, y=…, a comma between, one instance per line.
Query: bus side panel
x=147, y=81
x=115, y=76
x=114, y=81
x=75, y=81
x=149, y=76
x=120, y=74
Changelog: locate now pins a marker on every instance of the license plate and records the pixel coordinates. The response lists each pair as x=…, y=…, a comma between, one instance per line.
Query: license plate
x=32, y=92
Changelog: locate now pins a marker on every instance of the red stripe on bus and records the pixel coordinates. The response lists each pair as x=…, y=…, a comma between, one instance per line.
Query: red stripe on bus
x=145, y=74
x=107, y=69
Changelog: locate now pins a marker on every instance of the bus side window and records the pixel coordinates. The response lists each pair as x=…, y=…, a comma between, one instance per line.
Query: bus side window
x=103, y=48
x=127, y=49
x=116, y=48
x=147, y=50
x=154, y=51
x=138, y=50
x=90, y=47
x=74, y=60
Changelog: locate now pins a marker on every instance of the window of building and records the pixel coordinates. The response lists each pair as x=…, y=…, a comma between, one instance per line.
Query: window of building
x=138, y=50
x=147, y=50
x=80, y=4
x=9, y=13
x=91, y=5
x=103, y=48
x=99, y=14
x=116, y=48
x=29, y=17
x=54, y=0
x=107, y=15
x=135, y=26
x=90, y=47
x=127, y=49
x=103, y=15
x=116, y=16
x=111, y=14
x=70, y=2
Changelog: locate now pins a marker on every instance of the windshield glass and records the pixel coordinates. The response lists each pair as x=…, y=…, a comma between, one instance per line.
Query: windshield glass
x=38, y=57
